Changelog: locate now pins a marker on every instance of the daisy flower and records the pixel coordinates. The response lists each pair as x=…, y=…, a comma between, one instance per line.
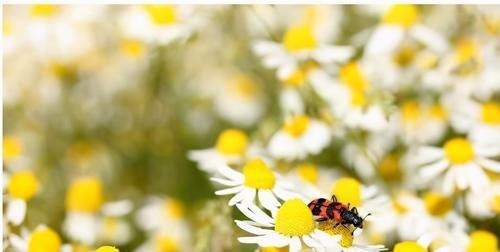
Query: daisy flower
x=421, y=245
x=164, y=240
x=21, y=187
x=421, y=123
x=401, y=22
x=160, y=213
x=346, y=243
x=292, y=226
x=231, y=147
x=107, y=249
x=463, y=161
x=300, y=136
x=484, y=204
x=257, y=180
x=476, y=241
x=42, y=238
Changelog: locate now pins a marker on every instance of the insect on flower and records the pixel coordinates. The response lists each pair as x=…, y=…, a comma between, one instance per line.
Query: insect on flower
x=324, y=210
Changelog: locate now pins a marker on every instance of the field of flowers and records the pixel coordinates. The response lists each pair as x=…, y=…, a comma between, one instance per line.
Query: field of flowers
x=270, y=128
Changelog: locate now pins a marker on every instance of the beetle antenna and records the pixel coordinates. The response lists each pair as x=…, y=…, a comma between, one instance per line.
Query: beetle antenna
x=366, y=216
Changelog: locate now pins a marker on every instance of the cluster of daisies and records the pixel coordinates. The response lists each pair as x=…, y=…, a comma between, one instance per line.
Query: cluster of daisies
x=395, y=110
x=410, y=116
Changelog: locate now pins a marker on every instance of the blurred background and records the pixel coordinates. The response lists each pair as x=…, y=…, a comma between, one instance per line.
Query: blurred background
x=102, y=104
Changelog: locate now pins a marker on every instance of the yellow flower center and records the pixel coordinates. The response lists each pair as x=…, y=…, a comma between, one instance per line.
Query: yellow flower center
x=389, y=167
x=437, y=111
x=132, y=48
x=12, y=147
x=44, y=10
x=85, y=195
x=294, y=218
x=409, y=246
x=351, y=75
x=296, y=79
x=405, y=55
x=7, y=28
x=23, y=185
x=459, y=151
x=466, y=50
x=44, y=240
x=297, y=125
x=427, y=61
x=107, y=249
x=309, y=172
x=483, y=241
x=437, y=204
x=495, y=203
x=348, y=190
x=399, y=207
x=490, y=113
x=298, y=38
x=232, y=142
x=244, y=87
x=175, y=208
x=410, y=112
x=166, y=244
x=358, y=98
x=258, y=175
x=274, y=249
x=161, y=14
x=405, y=15
x=345, y=232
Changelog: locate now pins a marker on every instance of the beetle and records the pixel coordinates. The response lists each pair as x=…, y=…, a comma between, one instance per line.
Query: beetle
x=324, y=210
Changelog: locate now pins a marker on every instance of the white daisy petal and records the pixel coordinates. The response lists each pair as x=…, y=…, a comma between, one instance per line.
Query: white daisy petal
x=252, y=229
x=230, y=173
x=295, y=244
x=225, y=182
x=16, y=211
x=462, y=180
x=309, y=241
x=231, y=190
x=385, y=39
x=267, y=201
x=260, y=214
x=489, y=164
x=434, y=169
x=237, y=198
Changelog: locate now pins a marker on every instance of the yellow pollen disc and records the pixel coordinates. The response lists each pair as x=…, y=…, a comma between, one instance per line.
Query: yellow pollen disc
x=405, y=15
x=244, y=87
x=351, y=75
x=232, y=142
x=466, y=50
x=437, y=111
x=345, y=232
x=161, y=14
x=399, y=207
x=490, y=113
x=132, y=48
x=294, y=218
x=405, y=55
x=459, y=151
x=298, y=38
x=258, y=175
x=389, y=167
x=43, y=10
x=437, y=204
x=483, y=241
x=410, y=112
x=427, y=61
x=348, y=190
x=495, y=203
x=84, y=195
x=297, y=125
x=44, y=240
x=409, y=246
x=175, y=208
x=274, y=249
x=309, y=172
x=107, y=249
x=358, y=98
x=12, y=147
x=166, y=244
x=23, y=185
x=296, y=79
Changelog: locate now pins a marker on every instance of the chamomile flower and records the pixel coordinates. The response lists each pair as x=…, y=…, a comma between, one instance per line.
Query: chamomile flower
x=421, y=245
x=422, y=123
x=160, y=213
x=21, y=187
x=463, y=161
x=43, y=238
x=231, y=148
x=300, y=136
x=346, y=243
x=365, y=198
x=107, y=249
x=484, y=204
x=292, y=226
x=401, y=22
x=256, y=181
x=164, y=240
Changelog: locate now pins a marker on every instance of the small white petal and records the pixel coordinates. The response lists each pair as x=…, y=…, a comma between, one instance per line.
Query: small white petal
x=385, y=39
x=489, y=164
x=295, y=244
x=231, y=190
x=16, y=211
x=309, y=241
x=225, y=182
x=237, y=198
x=252, y=229
x=434, y=169
x=230, y=173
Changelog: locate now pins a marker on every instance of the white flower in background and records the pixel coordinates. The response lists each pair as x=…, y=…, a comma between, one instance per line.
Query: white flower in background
x=292, y=226
x=239, y=102
x=463, y=161
x=300, y=136
x=166, y=240
x=231, y=148
x=399, y=23
x=42, y=238
x=298, y=46
x=158, y=23
x=88, y=219
x=256, y=181
x=161, y=213
x=484, y=204
x=312, y=179
x=421, y=123
x=21, y=187
x=421, y=245
x=477, y=241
